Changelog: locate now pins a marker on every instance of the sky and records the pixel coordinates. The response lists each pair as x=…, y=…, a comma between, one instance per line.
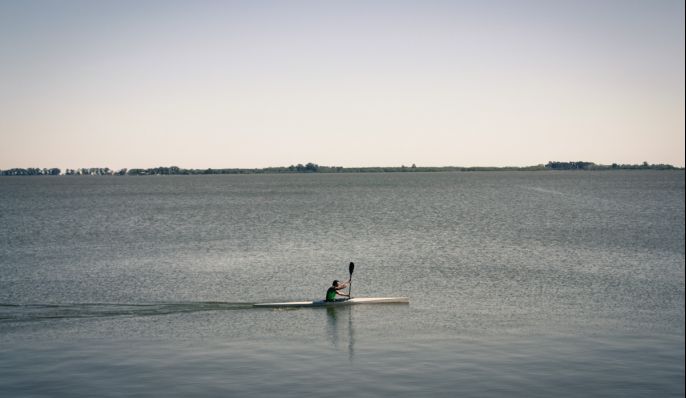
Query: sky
x=223, y=84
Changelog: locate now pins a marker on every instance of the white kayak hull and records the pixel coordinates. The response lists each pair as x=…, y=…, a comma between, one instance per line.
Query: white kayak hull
x=352, y=301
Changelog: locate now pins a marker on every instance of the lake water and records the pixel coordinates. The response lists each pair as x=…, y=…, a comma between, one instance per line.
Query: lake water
x=524, y=284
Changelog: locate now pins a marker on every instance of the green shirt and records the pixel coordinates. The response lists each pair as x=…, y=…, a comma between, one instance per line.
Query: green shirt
x=331, y=294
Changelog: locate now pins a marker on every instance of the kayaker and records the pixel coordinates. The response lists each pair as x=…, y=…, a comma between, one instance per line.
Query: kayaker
x=335, y=290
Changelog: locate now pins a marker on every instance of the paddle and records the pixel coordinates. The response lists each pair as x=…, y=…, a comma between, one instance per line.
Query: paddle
x=351, y=267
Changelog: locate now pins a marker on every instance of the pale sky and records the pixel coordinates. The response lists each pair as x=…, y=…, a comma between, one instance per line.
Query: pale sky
x=201, y=84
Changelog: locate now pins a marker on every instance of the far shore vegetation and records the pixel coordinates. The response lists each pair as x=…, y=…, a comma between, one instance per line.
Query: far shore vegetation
x=315, y=168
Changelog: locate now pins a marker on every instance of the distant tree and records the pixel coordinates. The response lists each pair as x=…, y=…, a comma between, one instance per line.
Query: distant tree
x=569, y=165
x=311, y=167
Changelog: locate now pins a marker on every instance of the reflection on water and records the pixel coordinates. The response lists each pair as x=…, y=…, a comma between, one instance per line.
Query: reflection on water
x=338, y=333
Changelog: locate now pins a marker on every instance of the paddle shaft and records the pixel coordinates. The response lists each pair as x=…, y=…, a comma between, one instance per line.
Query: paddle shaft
x=351, y=267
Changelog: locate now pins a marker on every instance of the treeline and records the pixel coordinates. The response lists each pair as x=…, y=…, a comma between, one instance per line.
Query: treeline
x=55, y=172
x=613, y=166
x=31, y=172
x=315, y=168
x=299, y=168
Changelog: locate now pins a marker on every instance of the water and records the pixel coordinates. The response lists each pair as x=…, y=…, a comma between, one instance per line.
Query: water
x=521, y=284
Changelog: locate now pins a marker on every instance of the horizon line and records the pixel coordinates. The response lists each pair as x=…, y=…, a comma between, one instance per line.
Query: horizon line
x=315, y=168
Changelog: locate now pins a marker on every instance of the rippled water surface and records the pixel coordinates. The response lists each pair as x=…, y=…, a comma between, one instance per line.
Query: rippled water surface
x=520, y=284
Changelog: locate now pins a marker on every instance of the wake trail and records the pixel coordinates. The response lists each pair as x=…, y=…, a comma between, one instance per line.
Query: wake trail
x=37, y=312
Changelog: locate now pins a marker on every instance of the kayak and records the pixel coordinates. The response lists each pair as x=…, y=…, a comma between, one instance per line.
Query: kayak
x=324, y=303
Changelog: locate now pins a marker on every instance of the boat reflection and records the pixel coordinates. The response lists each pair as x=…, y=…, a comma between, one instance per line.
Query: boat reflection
x=340, y=331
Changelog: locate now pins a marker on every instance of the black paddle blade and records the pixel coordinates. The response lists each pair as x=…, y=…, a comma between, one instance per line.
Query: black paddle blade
x=351, y=267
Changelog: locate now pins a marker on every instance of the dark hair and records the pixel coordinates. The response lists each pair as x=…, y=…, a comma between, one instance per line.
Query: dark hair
x=335, y=283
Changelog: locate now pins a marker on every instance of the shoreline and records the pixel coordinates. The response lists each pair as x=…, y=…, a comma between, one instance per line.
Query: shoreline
x=311, y=168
